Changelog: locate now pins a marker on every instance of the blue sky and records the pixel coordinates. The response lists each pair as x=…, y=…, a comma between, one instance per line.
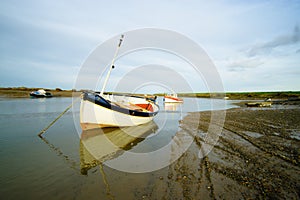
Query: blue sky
x=255, y=45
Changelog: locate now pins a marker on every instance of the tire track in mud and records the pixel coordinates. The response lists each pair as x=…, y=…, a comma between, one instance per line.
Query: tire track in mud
x=252, y=164
x=208, y=176
x=234, y=125
x=242, y=177
x=248, y=139
x=260, y=174
x=183, y=173
x=189, y=177
x=204, y=184
x=205, y=165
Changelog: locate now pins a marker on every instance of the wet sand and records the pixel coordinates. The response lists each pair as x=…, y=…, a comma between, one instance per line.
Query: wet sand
x=257, y=156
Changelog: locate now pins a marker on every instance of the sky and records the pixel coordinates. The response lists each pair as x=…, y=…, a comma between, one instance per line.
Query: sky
x=254, y=45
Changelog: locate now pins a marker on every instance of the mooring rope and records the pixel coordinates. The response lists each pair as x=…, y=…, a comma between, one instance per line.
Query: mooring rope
x=61, y=114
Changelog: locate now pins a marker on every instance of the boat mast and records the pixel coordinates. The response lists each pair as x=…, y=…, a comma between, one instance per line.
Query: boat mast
x=112, y=65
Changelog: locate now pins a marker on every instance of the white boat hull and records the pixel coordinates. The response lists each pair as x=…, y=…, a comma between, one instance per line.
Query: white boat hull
x=172, y=100
x=94, y=116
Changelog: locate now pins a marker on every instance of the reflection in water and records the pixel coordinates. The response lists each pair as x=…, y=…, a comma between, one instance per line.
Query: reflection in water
x=172, y=106
x=108, y=191
x=100, y=145
x=72, y=164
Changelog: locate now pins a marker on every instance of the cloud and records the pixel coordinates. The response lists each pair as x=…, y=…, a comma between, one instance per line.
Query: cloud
x=282, y=40
x=264, y=53
x=56, y=36
x=244, y=64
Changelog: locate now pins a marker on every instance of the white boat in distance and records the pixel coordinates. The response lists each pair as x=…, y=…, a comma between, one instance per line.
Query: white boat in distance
x=115, y=110
x=172, y=98
x=40, y=93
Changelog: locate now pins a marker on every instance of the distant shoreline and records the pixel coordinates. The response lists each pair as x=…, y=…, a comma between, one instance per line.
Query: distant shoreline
x=23, y=92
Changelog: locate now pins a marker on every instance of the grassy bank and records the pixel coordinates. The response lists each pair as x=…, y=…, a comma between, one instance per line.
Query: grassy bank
x=246, y=95
x=23, y=92
x=16, y=92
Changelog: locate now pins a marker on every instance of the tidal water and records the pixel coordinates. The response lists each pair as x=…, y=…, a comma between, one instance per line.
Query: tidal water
x=61, y=166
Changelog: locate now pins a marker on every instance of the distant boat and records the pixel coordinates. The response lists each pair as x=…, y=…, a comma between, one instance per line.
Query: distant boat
x=172, y=98
x=40, y=94
x=259, y=104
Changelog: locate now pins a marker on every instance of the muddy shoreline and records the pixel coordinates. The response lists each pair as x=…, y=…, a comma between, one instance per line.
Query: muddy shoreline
x=256, y=156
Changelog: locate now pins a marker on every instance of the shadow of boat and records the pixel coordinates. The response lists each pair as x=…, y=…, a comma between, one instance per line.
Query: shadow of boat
x=102, y=144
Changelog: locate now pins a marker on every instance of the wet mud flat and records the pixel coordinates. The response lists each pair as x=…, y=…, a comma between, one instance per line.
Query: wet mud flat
x=256, y=155
x=253, y=154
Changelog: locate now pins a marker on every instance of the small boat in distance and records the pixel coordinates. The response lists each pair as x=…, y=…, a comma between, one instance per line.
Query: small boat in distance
x=259, y=104
x=172, y=98
x=40, y=94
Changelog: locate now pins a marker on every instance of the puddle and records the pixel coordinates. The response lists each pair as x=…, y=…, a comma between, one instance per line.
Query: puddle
x=253, y=134
x=295, y=134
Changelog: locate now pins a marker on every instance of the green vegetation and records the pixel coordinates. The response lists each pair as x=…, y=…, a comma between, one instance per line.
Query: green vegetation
x=245, y=95
x=21, y=92
x=263, y=95
x=15, y=92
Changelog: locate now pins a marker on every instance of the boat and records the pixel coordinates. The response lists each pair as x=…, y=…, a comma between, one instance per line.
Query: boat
x=259, y=104
x=40, y=94
x=100, y=145
x=172, y=98
x=107, y=110
x=115, y=111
